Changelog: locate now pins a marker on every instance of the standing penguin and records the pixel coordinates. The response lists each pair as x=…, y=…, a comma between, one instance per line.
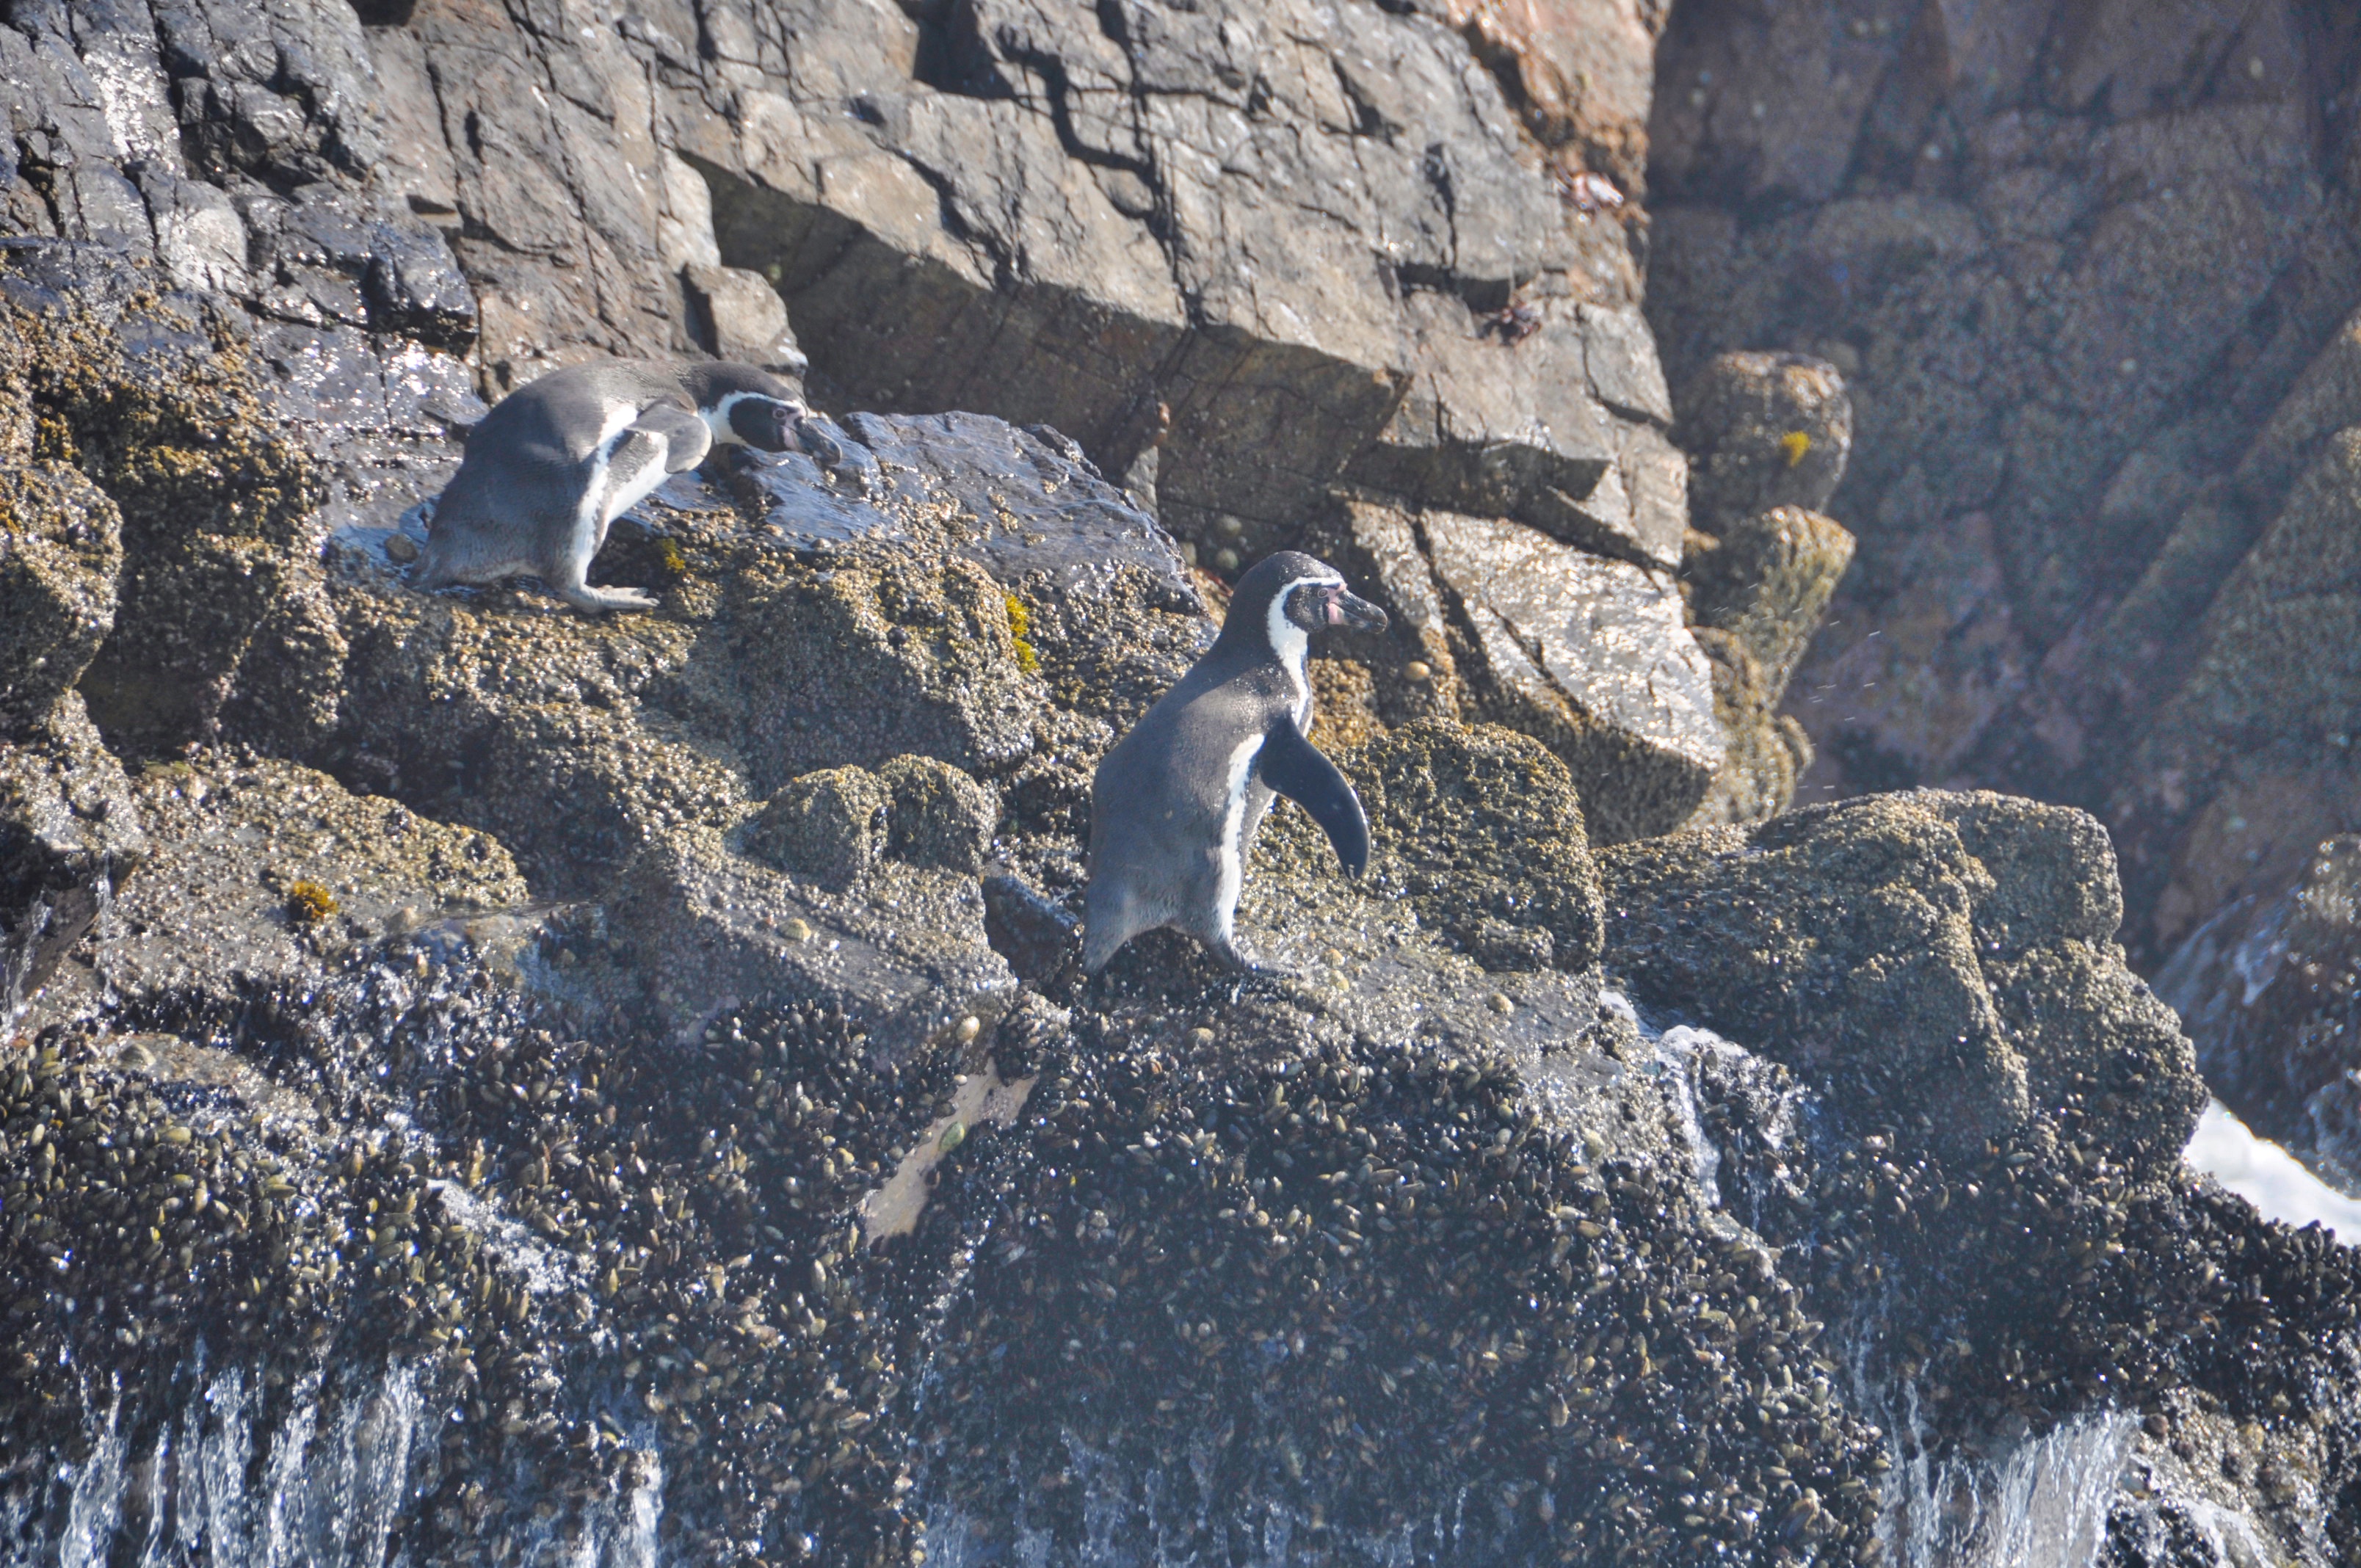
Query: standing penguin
x=559, y=460
x=1175, y=805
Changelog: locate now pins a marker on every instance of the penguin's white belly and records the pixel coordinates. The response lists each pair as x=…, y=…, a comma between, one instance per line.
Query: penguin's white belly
x=626, y=467
x=629, y=485
x=1238, y=821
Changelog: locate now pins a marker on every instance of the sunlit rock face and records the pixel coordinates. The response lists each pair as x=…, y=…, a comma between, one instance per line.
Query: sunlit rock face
x=483, y=1083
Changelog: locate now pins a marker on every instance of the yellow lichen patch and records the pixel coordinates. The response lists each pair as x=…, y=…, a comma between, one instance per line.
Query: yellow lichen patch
x=1795, y=442
x=669, y=557
x=308, y=903
x=1020, y=621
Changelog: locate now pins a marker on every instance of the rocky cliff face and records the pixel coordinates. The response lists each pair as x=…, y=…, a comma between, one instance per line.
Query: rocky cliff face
x=2089, y=273
x=482, y=1083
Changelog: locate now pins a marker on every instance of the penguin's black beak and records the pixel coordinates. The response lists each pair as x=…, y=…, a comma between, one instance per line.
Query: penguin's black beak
x=1345, y=609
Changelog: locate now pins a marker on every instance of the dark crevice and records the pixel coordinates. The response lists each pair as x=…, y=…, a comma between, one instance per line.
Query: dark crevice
x=1113, y=26
x=1501, y=61
x=1436, y=167
x=1485, y=296
x=1058, y=87
x=953, y=56
x=1004, y=270
x=41, y=178
x=1367, y=120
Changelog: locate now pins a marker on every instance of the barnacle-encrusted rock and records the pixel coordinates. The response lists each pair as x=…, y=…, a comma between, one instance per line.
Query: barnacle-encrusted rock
x=1764, y=430
x=151, y=396
x=901, y=952
x=264, y=872
x=1768, y=752
x=1481, y=832
x=61, y=547
x=832, y=824
x=527, y=726
x=939, y=816
x=1949, y=958
x=1767, y=582
x=927, y=645
x=537, y=1231
x=827, y=825
x=1756, y=596
x=69, y=834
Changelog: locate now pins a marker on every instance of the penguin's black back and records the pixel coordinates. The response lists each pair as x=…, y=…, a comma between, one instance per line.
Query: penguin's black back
x=1170, y=775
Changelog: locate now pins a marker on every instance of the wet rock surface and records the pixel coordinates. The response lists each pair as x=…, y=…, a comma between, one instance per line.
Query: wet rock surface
x=2268, y=989
x=457, y=1053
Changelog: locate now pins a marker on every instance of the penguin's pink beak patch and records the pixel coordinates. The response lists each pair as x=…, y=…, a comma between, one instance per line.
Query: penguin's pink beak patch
x=1335, y=612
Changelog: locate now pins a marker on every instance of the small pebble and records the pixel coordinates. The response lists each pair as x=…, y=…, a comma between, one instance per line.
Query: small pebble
x=953, y=1135
x=968, y=1029
x=1225, y=560
x=796, y=929
x=401, y=549
x=1419, y=669
x=1500, y=1003
x=1201, y=1037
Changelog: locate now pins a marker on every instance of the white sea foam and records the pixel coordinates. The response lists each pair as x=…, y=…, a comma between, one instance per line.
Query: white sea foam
x=2268, y=1176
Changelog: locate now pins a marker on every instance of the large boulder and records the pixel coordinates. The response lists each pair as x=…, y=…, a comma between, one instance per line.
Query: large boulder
x=1968, y=940
x=1593, y=656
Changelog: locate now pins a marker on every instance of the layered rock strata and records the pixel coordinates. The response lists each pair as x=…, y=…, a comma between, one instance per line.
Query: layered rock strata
x=1260, y=265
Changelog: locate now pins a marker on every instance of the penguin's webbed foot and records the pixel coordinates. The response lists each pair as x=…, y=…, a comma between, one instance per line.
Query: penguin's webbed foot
x=594, y=602
x=1228, y=953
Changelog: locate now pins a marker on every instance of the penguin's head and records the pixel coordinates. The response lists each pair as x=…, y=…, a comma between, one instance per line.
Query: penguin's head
x=745, y=405
x=1293, y=591
x=766, y=425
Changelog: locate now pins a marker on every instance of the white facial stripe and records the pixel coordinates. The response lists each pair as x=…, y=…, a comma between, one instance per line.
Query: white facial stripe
x=1292, y=643
x=1234, y=817
x=717, y=418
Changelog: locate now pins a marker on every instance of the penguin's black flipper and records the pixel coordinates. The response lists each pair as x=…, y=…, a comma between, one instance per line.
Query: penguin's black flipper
x=687, y=438
x=1293, y=767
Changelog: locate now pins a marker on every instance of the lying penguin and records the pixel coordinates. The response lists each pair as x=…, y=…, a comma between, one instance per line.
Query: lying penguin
x=551, y=469
x=1175, y=805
